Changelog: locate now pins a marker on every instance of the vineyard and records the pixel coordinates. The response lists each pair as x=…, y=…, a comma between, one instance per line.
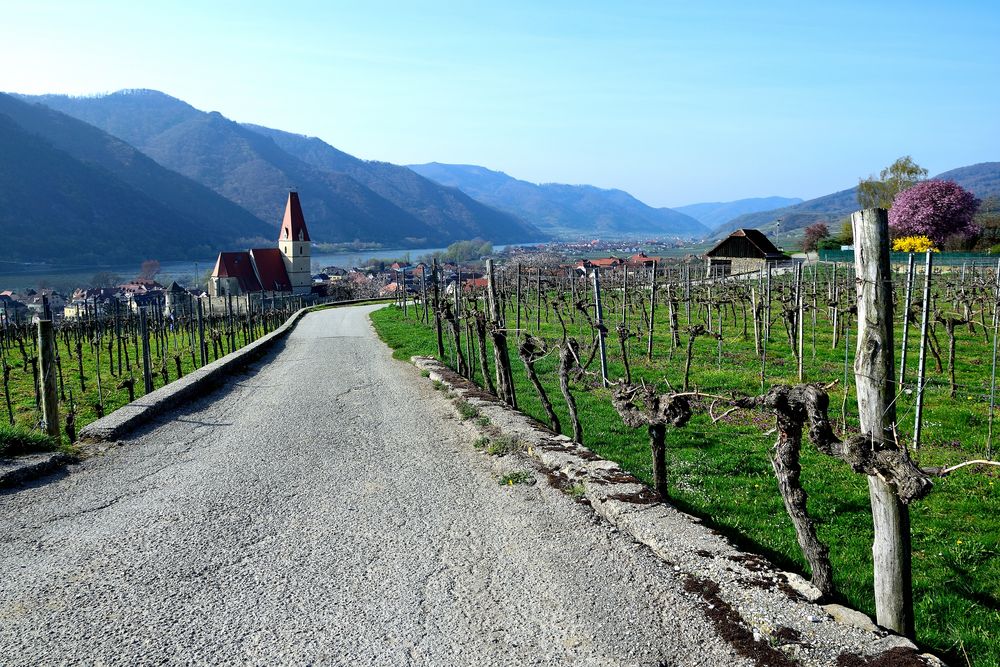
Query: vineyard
x=114, y=354
x=713, y=371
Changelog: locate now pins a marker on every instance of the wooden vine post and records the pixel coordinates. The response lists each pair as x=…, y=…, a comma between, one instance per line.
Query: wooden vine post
x=437, y=310
x=875, y=383
x=501, y=356
x=47, y=366
x=601, y=330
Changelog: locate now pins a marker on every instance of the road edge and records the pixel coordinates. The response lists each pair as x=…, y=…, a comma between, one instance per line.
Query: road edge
x=193, y=385
x=631, y=507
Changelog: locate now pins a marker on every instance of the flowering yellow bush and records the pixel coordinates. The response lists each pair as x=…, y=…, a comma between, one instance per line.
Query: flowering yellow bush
x=913, y=244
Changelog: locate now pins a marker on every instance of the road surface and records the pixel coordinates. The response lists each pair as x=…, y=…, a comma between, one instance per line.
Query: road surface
x=326, y=508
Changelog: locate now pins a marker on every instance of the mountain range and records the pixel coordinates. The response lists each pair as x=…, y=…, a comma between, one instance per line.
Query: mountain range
x=565, y=210
x=715, y=214
x=69, y=191
x=140, y=174
x=254, y=167
x=981, y=179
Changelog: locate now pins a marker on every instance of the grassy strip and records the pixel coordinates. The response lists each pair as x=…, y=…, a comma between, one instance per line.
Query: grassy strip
x=18, y=441
x=722, y=473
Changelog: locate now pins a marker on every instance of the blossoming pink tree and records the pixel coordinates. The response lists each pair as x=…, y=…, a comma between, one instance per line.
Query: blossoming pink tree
x=935, y=209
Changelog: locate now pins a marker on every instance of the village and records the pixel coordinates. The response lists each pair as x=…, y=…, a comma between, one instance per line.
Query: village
x=263, y=278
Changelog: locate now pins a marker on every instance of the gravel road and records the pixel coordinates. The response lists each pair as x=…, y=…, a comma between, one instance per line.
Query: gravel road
x=326, y=508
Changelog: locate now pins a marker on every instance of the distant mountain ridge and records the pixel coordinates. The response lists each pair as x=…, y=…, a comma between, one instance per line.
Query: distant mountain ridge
x=69, y=191
x=715, y=214
x=981, y=179
x=565, y=210
x=247, y=165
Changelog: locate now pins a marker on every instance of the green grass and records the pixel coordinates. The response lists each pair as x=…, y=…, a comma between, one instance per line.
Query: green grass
x=466, y=410
x=17, y=441
x=84, y=397
x=501, y=445
x=518, y=477
x=721, y=472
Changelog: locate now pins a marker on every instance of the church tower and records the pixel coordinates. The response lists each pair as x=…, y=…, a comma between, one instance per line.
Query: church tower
x=295, y=247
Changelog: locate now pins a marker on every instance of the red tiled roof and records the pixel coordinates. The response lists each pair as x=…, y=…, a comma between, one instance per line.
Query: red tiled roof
x=294, y=224
x=481, y=283
x=240, y=266
x=271, y=269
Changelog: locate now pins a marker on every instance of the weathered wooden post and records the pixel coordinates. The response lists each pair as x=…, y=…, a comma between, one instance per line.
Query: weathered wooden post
x=538, y=299
x=906, y=321
x=601, y=330
x=437, y=310
x=925, y=309
x=501, y=356
x=202, y=348
x=48, y=387
x=652, y=313
x=147, y=362
x=874, y=378
x=800, y=319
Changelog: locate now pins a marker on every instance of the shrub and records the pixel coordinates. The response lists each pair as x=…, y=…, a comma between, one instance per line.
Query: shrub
x=913, y=244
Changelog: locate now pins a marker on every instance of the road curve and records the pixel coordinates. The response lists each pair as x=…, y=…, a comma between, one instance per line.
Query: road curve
x=326, y=508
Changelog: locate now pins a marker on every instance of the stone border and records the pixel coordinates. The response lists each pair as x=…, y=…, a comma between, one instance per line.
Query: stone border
x=765, y=598
x=19, y=469
x=195, y=384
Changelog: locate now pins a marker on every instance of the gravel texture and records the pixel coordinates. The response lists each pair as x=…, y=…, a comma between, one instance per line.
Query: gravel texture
x=327, y=507
x=765, y=614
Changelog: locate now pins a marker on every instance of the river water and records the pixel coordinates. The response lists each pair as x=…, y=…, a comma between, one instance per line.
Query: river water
x=66, y=277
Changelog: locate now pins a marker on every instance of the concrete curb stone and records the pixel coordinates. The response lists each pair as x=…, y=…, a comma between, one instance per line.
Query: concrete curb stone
x=767, y=598
x=194, y=384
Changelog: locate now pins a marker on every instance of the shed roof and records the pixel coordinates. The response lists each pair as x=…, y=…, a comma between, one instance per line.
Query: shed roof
x=752, y=242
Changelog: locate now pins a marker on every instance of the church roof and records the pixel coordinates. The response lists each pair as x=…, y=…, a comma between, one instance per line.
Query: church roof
x=271, y=270
x=237, y=265
x=293, y=226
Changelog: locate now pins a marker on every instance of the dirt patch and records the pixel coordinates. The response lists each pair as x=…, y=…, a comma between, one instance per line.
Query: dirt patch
x=614, y=477
x=897, y=657
x=785, y=635
x=731, y=626
x=752, y=562
x=643, y=496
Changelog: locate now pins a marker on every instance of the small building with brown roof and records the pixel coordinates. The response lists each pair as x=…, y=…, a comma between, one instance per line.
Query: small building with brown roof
x=743, y=251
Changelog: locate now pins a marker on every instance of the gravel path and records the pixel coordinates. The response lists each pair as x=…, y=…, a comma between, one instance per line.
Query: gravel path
x=327, y=508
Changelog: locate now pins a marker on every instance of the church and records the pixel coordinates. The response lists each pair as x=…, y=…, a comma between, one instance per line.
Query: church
x=269, y=272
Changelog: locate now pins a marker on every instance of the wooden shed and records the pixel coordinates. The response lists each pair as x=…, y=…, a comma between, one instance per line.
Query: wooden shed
x=743, y=251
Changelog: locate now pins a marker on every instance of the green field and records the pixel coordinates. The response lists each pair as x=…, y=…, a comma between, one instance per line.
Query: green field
x=170, y=344
x=722, y=472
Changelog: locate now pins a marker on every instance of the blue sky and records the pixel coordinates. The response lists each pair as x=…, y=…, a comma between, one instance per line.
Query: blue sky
x=676, y=102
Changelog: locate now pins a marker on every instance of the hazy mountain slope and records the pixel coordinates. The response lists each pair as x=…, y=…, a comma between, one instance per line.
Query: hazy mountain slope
x=447, y=210
x=71, y=191
x=983, y=179
x=564, y=210
x=131, y=115
x=251, y=170
x=219, y=218
x=54, y=208
x=714, y=214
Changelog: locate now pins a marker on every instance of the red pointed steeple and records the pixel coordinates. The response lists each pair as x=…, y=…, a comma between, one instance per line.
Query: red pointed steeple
x=293, y=227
